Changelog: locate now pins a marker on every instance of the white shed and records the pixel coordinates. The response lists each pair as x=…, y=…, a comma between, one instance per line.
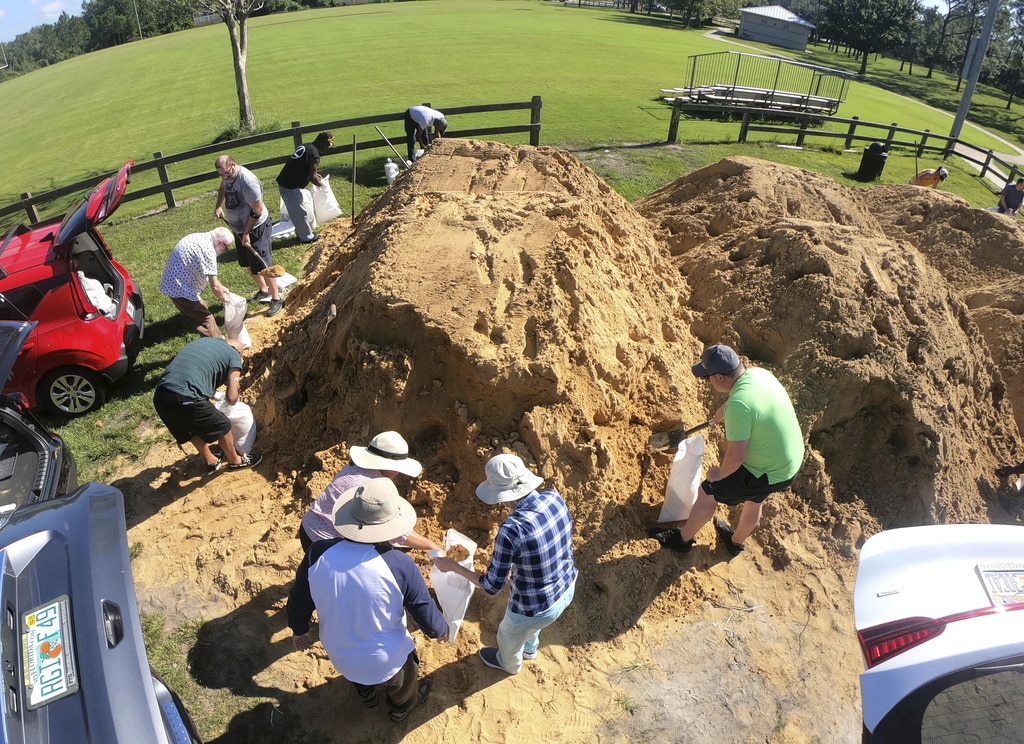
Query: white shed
x=773, y=24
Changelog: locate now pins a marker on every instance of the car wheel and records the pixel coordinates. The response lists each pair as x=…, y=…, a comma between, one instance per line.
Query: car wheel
x=71, y=391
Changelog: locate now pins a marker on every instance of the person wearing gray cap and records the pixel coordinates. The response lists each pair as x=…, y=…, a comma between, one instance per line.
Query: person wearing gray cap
x=387, y=455
x=361, y=589
x=534, y=547
x=763, y=453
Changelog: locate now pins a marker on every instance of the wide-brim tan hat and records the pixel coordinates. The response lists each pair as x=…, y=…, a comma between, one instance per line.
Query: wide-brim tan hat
x=386, y=451
x=508, y=479
x=373, y=512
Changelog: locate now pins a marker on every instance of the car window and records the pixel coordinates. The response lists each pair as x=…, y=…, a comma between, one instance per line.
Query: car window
x=20, y=302
x=984, y=708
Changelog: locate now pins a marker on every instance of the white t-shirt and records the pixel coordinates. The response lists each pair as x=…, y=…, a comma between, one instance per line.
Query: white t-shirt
x=424, y=116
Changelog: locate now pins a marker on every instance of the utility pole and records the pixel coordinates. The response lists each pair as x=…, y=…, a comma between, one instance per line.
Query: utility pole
x=974, y=69
x=137, y=22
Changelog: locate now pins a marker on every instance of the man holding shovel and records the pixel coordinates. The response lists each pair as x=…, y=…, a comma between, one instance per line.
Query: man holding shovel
x=763, y=454
x=240, y=203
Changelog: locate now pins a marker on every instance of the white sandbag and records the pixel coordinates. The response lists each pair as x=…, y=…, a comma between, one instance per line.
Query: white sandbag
x=325, y=205
x=97, y=295
x=234, y=320
x=453, y=591
x=243, y=426
x=286, y=280
x=683, y=480
x=390, y=171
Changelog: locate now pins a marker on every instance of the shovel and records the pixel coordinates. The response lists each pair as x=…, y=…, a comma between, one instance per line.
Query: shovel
x=297, y=400
x=668, y=439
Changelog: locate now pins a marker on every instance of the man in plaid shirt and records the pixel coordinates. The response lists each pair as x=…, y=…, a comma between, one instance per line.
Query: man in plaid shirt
x=534, y=548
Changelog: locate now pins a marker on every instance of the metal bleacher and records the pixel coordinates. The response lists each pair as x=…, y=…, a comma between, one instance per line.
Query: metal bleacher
x=721, y=80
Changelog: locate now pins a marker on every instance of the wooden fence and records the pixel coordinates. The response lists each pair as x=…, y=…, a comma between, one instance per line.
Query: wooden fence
x=800, y=126
x=163, y=164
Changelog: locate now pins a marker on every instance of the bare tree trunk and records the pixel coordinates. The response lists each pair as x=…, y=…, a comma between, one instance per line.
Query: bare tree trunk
x=239, y=52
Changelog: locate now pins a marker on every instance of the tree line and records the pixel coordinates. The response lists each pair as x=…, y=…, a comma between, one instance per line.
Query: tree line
x=107, y=23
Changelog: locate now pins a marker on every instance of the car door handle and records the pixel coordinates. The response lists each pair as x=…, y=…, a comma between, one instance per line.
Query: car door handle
x=113, y=624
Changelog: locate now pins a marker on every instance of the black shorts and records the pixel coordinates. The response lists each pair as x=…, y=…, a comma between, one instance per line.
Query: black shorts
x=743, y=486
x=186, y=418
x=259, y=256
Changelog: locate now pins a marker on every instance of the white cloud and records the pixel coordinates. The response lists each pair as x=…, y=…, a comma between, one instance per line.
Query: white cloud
x=52, y=11
x=2, y=12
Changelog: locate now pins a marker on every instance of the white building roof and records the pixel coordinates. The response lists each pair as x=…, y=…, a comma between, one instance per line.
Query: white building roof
x=778, y=12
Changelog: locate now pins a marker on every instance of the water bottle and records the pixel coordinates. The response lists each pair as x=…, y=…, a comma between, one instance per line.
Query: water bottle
x=390, y=171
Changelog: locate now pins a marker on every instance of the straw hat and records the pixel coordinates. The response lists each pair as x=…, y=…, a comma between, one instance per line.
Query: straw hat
x=386, y=451
x=373, y=512
x=508, y=479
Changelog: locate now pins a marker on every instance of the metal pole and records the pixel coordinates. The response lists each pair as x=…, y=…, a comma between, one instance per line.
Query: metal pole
x=400, y=158
x=353, y=179
x=137, y=22
x=975, y=70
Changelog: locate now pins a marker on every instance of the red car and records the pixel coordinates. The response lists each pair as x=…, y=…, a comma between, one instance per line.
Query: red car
x=87, y=307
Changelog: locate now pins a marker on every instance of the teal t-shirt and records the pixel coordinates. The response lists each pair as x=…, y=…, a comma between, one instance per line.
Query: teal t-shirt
x=759, y=410
x=200, y=368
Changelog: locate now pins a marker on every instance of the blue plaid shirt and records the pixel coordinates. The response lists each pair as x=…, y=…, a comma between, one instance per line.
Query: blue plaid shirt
x=534, y=545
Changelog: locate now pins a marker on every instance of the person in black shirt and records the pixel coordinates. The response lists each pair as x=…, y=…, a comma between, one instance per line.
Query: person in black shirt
x=298, y=171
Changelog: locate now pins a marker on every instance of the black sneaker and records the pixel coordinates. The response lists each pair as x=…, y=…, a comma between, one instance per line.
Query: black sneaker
x=422, y=693
x=673, y=539
x=261, y=297
x=275, y=307
x=248, y=461
x=725, y=533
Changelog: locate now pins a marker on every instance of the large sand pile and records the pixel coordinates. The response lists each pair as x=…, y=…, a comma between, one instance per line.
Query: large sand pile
x=501, y=298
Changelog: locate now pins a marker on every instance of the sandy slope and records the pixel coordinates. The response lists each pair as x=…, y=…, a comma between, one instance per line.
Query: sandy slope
x=500, y=298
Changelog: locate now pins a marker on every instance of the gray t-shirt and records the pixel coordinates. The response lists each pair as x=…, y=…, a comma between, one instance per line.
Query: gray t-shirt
x=238, y=194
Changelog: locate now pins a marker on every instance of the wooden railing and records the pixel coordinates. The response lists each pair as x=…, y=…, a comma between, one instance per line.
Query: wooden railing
x=803, y=125
x=163, y=164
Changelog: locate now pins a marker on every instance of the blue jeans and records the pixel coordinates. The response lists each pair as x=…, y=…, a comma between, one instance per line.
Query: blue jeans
x=518, y=633
x=297, y=212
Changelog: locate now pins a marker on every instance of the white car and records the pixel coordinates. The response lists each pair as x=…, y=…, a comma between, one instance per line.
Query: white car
x=939, y=612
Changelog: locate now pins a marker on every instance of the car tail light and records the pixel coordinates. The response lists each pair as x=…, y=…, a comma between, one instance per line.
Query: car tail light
x=883, y=642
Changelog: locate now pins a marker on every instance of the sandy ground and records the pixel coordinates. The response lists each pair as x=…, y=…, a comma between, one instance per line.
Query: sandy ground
x=505, y=299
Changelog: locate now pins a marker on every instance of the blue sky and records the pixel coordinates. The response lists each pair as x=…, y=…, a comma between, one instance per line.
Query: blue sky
x=18, y=16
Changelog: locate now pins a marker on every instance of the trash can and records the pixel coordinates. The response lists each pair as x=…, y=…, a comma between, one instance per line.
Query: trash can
x=872, y=162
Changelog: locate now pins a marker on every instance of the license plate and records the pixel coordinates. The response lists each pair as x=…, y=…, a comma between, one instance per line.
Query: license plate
x=1004, y=582
x=49, y=659
x=129, y=308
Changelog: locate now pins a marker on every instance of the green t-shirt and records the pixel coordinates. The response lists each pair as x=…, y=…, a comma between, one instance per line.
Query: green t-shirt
x=200, y=368
x=759, y=410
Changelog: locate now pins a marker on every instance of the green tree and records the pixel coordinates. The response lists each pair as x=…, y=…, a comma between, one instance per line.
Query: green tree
x=870, y=26
x=235, y=14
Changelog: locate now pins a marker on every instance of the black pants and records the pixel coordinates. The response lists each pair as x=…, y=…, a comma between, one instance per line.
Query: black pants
x=411, y=128
x=399, y=691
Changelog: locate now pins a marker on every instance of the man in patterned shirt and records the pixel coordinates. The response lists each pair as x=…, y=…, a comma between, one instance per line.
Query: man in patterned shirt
x=534, y=546
x=191, y=265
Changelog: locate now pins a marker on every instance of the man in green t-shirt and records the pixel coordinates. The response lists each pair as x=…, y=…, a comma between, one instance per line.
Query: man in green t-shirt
x=763, y=454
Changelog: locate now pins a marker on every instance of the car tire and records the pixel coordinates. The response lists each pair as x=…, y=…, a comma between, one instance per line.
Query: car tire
x=71, y=391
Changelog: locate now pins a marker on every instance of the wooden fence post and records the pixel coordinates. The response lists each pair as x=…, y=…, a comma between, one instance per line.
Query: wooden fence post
x=891, y=136
x=535, y=105
x=743, y=126
x=33, y=214
x=986, y=164
x=920, y=145
x=673, y=122
x=161, y=169
x=850, y=133
x=296, y=137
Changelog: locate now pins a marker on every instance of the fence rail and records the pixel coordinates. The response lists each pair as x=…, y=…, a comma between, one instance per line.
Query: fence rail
x=888, y=134
x=163, y=164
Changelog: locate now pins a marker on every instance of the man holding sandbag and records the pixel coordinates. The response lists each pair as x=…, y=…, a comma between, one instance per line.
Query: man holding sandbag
x=763, y=454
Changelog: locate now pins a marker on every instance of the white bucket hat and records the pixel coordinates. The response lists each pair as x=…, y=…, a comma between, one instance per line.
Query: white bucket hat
x=386, y=451
x=508, y=479
x=373, y=512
